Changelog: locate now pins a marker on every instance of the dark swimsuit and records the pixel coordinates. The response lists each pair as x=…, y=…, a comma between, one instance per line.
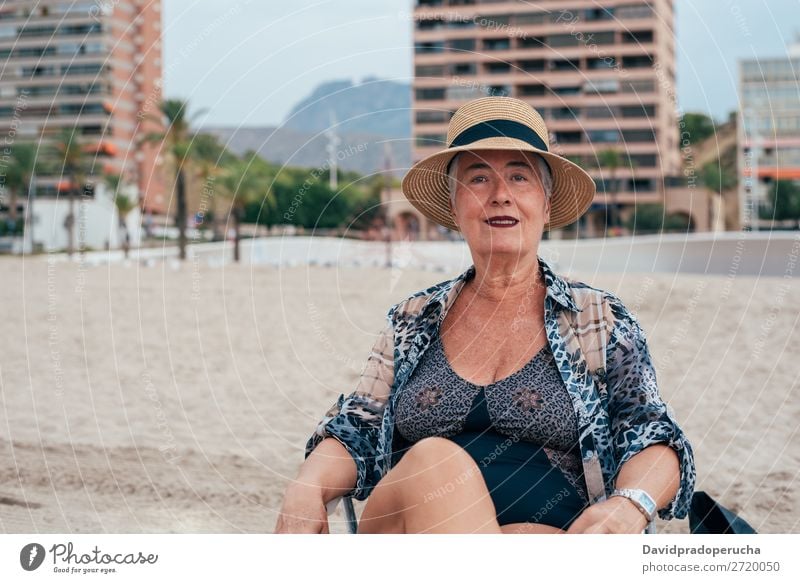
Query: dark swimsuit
x=521, y=431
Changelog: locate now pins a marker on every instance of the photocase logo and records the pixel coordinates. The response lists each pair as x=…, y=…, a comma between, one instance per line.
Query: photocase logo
x=31, y=556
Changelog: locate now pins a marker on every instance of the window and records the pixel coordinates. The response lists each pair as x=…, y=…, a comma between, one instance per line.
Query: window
x=638, y=110
x=601, y=38
x=429, y=71
x=462, y=44
x=642, y=160
x=429, y=47
x=568, y=137
x=563, y=40
x=432, y=116
x=530, y=18
x=638, y=61
x=645, y=135
x=532, y=65
x=496, y=44
x=598, y=63
x=497, y=68
x=564, y=113
x=566, y=90
x=430, y=94
x=531, y=90
x=639, y=86
x=565, y=65
x=598, y=112
x=429, y=24
x=531, y=42
x=637, y=36
x=463, y=69
x=633, y=11
x=592, y=14
x=603, y=136
x=602, y=86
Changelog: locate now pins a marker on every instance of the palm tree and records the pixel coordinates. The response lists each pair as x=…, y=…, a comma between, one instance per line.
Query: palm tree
x=612, y=160
x=241, y=184
x=177, y=140
x=124, y=206
x=73, y=166
x=20, y=174
x=210, y=158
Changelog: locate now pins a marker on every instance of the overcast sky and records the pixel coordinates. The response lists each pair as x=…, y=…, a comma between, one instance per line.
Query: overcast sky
x=250, y=61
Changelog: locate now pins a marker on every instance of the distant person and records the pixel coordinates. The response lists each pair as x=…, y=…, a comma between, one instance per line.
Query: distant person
x=508, y=399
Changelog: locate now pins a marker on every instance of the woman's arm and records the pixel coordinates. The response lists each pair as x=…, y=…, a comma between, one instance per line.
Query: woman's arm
x=342, y=453
x=329, y=472
x=650, y=449
x=656, y=470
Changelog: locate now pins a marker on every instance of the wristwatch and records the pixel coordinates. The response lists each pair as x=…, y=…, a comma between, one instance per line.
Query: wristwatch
x=643, y=501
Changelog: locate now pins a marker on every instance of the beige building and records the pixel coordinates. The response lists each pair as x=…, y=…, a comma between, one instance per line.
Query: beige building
x=602, y=78
x=92, y=66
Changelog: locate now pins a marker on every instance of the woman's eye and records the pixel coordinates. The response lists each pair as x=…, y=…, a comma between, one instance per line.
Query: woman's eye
x=478, y=179
x=519, y=177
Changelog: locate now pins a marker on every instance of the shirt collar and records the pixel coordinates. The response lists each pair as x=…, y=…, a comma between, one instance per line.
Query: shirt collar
x=557, y=289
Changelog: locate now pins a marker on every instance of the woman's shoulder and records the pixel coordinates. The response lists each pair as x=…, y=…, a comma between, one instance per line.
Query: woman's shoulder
x=413, y=304
x=587, y=296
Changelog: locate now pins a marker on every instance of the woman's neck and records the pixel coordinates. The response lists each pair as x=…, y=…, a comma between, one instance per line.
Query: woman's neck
x=497, y=281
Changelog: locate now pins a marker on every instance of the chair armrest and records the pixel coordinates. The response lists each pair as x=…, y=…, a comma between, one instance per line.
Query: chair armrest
x=349, y=512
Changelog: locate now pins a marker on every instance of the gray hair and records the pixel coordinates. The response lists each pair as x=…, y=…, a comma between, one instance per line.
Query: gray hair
x=541, y=166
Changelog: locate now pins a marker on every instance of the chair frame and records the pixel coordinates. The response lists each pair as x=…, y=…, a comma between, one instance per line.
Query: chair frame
x=352, y=521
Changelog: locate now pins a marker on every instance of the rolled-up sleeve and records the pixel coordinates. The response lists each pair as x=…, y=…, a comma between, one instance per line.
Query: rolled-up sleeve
x=639, y=418
x=355, y=420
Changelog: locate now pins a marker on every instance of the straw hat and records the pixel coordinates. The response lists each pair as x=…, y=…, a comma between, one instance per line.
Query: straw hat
x=497, y=123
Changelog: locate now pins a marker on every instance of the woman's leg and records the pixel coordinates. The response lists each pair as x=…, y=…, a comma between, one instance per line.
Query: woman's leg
x=436, y=487
x=530, y=528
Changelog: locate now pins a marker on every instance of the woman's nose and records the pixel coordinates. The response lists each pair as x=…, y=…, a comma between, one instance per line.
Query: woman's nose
x=501, y=193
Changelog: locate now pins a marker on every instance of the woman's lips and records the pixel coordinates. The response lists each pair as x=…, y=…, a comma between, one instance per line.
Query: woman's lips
x=502, y=222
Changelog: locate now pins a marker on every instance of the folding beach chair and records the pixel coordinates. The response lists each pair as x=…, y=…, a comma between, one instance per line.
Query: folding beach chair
x=352, y=521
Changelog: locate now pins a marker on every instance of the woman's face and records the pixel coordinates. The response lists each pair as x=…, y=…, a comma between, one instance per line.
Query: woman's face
x=500, y=183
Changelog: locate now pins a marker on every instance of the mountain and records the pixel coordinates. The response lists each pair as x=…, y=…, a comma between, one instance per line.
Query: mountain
x=367, y=118
x=375, y=106
x=358, y=152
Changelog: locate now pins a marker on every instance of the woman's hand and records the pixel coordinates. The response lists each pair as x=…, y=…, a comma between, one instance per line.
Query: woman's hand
x=614, y=515
x=303, y=511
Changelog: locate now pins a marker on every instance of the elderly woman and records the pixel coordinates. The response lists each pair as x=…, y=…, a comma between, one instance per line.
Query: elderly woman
x=508, y=399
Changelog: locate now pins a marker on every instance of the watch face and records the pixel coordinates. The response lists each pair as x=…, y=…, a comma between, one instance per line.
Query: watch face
x=648, y=504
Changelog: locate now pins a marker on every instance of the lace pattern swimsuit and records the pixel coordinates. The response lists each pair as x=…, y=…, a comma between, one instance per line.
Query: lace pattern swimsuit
x=521, y=431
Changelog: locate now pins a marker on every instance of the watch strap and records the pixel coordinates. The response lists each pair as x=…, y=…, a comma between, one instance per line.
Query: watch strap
x=641, y=499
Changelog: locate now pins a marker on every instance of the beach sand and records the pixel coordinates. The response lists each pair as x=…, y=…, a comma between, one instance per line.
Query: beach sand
x=163, y=399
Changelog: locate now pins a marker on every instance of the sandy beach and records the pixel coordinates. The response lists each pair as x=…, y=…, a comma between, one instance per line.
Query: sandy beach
x=178, y=399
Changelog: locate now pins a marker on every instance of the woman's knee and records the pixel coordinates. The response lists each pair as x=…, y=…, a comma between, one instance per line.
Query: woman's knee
x=440, y=455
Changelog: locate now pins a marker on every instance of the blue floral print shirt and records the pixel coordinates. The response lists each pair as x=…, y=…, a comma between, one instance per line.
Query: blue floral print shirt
x=614, y=392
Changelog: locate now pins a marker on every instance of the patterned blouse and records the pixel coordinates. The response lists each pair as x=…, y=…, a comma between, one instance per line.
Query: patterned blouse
x=531, y=405
x=617, y=405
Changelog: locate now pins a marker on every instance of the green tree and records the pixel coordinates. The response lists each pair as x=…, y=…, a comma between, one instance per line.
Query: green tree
x=73, y=162
x=242, y=185
x=209, y=159
x=177, y=138
x=612, y=160
x=23, y=165
x=717, y=178
x=783, y=202
x=124, y=206
x=698, y=126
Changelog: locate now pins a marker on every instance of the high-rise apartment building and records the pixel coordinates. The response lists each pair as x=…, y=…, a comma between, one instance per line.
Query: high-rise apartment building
x=601, y=76
x=769, y=132
x=94, y=67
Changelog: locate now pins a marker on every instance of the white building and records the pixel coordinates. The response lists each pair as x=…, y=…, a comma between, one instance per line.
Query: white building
x=97, y=224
